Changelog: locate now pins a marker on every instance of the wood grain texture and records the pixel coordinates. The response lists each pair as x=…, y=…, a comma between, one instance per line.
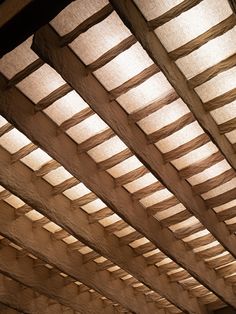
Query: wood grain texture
x=38, y=194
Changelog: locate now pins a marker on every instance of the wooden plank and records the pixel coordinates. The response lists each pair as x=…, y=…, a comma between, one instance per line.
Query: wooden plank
x=120, y=202
x=133, y=18
x=24, y=299
x=56, y=253
x=40, y=279
x=38, y=193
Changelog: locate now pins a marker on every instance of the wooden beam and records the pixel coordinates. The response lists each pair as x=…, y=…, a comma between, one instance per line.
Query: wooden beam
x=38, y=242
x=27, y=20
x=38, y=193
x=133, y=18
x=25, y=300
x=114, y=115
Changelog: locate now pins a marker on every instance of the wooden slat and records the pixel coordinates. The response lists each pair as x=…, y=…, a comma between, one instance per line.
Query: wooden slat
x=222, y=198
x=46, y=168
x=115, y=159
x=227, y=126
x=24, y=299
x=131, y=176
x=134, y=81
x=153, y=209
x=111, y=115
x=201, y=165
x=154, y=187
x=214, y=182
x=53, y=96
x=88, y=23
x=56, y=253
x=170, y=128
x=211, y=72
x=25, y=72
x=221, y=100
x=67, y=184
x=41, y=281
x=186, y=148
x=77, y=118
x=5, y=128
x=95, y=140
x=24, y=151
x=112, y=53
x=76, y=223
x=133, y=18
x=202, y=39
x=227, y=213
x=153, y=107
x=101, y=214
x=172, y=13
x=167, y=222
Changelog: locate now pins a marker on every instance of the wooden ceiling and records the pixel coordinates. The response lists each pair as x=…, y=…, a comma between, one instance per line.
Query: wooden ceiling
x=117, y=157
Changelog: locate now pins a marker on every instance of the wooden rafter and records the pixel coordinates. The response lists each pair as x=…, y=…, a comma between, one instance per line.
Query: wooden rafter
x=130, y=134
x=133, y=18
x=41, y=279
x=117, y=199
x=90, y=234
x=24, y=299
x=56, y=253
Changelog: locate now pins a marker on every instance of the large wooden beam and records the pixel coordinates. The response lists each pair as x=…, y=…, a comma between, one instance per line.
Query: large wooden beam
x=134, y=19
x=39, y=278
x=72, y=70
x=25, y=20
x=39, y=195
x=38, y=242
x=24, y=299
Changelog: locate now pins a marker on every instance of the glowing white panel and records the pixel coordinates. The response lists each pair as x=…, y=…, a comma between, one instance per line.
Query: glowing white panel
x=123, y=67
x=209, y=173
x=206, y=247
x=109, y=220
x=70, y=239
x=196, y=235
x=140, y=183
x=155, y=88
x=139, y=242
x=2, y=121
x=40, y=83
x=185, y=135
x=87, y=128
x=230, y=185
x=109, y=32
x=94, y=206
x=156, y=197
x=76, y=191
x=185, y=224
x=34, y=215
x=124, y=167
x=13, y=141
x=206, y=56
x=85, y=250
x=224, y=113
x=65, y=107
x=163, y=116
x=196, y=155
x=107, y=149
x=36, y=159
x=218, y=85
x=52, y=227
x=231, y=136
x=75, y=13
x=57, y=176
x=14, y=201
x=192, y=23
x=170, y=211
x=19, y=58
x=225, y=206
x=154, y=8
x=124, y=232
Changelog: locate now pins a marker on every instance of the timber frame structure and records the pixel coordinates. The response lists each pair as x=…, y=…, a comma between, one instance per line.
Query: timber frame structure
x=117, y=157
